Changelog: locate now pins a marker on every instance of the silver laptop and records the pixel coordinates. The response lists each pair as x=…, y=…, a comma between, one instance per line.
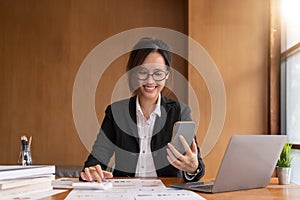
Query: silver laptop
x=248, y=163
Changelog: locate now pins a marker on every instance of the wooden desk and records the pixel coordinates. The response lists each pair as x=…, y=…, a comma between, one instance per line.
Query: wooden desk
x=272, y=191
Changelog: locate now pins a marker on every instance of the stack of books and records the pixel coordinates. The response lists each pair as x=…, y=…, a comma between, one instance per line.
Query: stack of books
x=21, y=181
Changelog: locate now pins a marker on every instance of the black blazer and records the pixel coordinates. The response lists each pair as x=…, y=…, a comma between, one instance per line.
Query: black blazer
x=119, y=135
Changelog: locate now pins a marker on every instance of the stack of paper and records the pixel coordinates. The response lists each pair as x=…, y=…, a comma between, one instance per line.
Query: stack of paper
x=19, y=181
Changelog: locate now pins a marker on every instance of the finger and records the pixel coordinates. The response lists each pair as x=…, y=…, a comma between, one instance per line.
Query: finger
x=173, y=161
x=194, y=147
x=95, y=175
x=107, y=174
x=83, y=176
x=95, y=172
x=171, y=156
x=87, y=174
x=185, y=145
x=176, y=153
x=99, y=171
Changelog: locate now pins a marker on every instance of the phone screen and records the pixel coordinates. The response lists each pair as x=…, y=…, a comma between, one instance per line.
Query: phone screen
x=187, y=130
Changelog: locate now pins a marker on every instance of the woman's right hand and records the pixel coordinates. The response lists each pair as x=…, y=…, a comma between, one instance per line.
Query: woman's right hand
x=95, y=173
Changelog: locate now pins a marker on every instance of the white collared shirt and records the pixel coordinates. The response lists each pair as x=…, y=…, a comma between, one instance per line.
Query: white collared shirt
x=145, y=165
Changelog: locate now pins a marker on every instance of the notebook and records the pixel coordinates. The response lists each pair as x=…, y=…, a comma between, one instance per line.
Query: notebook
x=248, y=163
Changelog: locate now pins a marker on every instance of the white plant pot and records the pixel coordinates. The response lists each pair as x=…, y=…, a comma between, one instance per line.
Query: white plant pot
x=284, y=175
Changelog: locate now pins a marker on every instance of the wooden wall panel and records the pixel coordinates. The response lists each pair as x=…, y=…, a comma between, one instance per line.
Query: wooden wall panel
x=235, y=34
x=42, y=44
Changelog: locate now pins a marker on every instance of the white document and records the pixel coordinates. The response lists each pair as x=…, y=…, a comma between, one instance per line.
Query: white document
x=35, y=196
x=135, y=194
x=99, y=194
x=168, y=194
x=135, y=189
x=117, y=183
x=137, y=183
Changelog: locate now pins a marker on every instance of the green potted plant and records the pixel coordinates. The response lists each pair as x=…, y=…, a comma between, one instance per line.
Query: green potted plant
x=284, y=165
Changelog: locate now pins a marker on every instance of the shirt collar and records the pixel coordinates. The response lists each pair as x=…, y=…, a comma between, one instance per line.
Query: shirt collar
x=156, y=110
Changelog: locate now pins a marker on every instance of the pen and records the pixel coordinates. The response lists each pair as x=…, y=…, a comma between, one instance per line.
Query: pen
x=24, y=142
x=29, y=143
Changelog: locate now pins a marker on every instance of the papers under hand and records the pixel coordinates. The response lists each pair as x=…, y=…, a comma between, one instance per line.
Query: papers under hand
x=92, y=185
x=133, y=189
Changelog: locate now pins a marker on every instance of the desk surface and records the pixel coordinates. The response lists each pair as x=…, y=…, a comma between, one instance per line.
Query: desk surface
x=272, y=191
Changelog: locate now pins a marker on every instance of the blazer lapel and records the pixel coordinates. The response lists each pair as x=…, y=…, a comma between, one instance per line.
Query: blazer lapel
x=132, y=112
x=159, y=127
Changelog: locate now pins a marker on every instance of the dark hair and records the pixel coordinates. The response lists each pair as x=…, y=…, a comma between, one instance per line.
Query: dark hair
x=142, y=49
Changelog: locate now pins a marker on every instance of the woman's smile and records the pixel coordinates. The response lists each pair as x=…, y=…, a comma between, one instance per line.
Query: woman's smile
x=149, y=88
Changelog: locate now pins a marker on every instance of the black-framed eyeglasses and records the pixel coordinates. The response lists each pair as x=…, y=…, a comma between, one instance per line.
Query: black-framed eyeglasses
x=158, y=75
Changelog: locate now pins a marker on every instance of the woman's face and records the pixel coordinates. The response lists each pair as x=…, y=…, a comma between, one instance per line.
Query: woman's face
x=151, y=76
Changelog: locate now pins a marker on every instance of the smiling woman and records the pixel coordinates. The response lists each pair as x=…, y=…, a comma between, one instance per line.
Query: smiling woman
x=138, y=130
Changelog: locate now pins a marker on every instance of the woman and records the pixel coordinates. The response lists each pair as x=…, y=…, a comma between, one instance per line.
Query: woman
x=138, y=131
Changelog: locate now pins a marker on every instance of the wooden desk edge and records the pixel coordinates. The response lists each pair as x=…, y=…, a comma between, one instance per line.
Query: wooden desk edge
x=272, y=191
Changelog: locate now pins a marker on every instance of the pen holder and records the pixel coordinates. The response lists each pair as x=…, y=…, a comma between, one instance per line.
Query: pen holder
x=25, y=156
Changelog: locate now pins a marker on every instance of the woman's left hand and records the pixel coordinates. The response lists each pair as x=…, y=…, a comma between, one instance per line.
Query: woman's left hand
x=187, y=162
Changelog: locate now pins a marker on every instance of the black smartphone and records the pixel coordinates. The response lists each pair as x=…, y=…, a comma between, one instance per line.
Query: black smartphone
x=187, y=130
